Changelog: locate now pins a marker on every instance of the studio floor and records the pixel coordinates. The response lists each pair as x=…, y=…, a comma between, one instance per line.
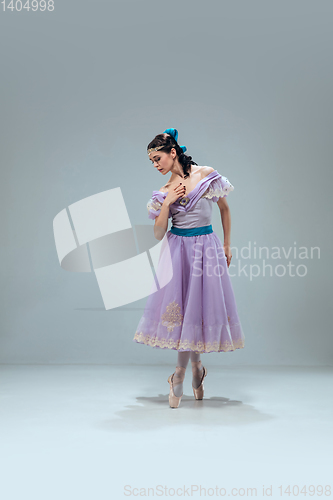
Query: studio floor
x=100, y=432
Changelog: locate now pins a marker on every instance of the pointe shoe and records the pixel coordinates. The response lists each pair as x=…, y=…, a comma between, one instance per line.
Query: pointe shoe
x=199, y=392
x=174, y=401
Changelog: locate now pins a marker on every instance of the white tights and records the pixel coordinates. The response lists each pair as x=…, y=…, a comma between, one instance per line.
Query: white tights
x=179, y=375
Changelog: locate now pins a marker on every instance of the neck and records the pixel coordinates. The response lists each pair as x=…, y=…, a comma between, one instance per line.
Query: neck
x=177, y=171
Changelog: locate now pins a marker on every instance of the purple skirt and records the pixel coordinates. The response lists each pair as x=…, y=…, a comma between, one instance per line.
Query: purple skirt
x=196, y=309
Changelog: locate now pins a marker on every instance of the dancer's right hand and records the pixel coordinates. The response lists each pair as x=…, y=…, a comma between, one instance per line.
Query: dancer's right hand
x=175, y=193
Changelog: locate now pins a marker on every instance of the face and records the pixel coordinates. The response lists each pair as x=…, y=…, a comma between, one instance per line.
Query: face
x=163, y=161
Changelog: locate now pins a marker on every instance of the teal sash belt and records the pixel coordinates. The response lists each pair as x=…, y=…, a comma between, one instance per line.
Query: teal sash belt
x=191, y=231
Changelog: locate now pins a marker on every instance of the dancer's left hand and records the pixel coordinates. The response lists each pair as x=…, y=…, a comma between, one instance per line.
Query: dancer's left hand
x=228, y=253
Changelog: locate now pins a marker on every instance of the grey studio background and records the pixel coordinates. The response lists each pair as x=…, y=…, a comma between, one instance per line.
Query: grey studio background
x=85, y=88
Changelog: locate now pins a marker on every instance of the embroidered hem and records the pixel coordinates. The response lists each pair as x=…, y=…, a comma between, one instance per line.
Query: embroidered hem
x=199, y=347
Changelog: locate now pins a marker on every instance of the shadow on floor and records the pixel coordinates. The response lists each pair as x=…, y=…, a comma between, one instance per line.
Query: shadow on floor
x=151, y=413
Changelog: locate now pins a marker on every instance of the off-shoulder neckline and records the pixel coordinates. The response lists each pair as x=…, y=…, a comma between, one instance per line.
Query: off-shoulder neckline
x=204, y=178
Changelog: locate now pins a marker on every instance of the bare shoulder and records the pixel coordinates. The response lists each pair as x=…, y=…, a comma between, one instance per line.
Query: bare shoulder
x=206, y=171
x=199, y=171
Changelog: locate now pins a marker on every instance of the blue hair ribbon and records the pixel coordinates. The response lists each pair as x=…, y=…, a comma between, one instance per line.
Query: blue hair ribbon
x=174, y=133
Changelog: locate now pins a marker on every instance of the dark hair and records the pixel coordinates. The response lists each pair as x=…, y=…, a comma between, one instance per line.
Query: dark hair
x=168, y=142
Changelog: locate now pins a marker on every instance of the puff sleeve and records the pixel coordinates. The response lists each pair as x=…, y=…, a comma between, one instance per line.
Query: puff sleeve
x=219, y=188
x=155, y=203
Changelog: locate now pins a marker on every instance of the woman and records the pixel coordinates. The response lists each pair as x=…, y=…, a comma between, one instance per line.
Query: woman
x=195, y=311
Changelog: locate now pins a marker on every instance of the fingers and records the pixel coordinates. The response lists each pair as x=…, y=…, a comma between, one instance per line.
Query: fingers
x=180, y=189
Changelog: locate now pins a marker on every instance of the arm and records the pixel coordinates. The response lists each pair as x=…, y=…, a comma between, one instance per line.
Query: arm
x=162, y=208
x=226, y=224
x=161, y=221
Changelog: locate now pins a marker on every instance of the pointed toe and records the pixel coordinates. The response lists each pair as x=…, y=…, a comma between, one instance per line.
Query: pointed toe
x=199, y=392
x=174, y=401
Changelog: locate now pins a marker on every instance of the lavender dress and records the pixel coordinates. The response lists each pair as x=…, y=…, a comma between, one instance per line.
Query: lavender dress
x=196, y=310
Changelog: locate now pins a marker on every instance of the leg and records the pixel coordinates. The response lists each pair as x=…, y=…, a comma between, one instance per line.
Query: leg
x=178, y=378
x=197, y=371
